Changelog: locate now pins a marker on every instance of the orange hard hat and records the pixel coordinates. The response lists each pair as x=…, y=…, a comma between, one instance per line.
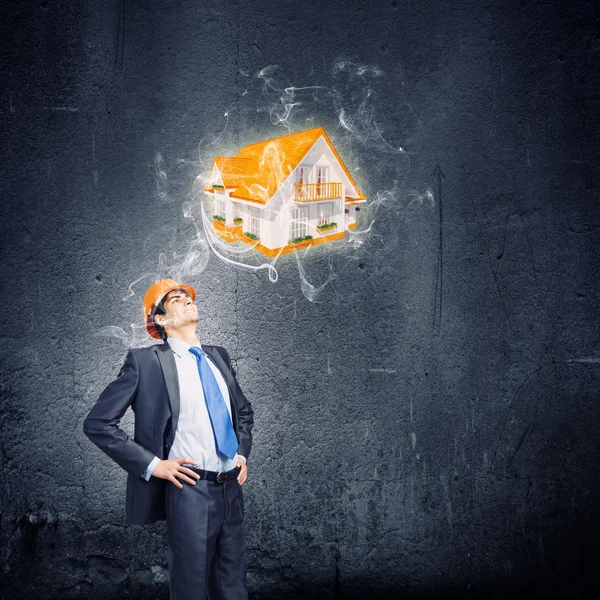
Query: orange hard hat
x=153, y=297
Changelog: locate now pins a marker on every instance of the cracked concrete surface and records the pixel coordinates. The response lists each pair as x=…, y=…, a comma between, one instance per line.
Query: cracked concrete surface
x=430, y=430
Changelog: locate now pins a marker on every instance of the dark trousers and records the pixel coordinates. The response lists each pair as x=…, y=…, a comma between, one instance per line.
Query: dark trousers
x=207, y=541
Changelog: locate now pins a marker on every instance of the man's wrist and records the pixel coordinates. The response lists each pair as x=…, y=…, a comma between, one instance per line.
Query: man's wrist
x=151, y=468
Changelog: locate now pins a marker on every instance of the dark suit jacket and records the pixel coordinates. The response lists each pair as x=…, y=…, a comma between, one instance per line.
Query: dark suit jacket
x=148, y=383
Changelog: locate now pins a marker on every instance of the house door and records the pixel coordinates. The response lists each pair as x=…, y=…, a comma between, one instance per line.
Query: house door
x=325, y=212
x=299, y=223
x=254, y=225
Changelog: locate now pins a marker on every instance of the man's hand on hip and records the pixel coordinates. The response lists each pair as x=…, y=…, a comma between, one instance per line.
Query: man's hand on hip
x=243, y=474
x=173, y=469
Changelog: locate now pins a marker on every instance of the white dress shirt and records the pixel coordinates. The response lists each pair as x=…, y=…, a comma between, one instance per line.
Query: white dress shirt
x=194, y=437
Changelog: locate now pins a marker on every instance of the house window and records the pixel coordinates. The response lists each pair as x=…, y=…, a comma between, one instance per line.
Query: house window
x=220, y=208
x=254, y=225
x=299, y=223
x=321, y=181
x=303, y=173
x=325, y=213
x=303, y=180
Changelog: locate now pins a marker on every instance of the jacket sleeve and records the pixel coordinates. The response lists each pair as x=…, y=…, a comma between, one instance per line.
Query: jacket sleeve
x=245, y=413
x=102, y=423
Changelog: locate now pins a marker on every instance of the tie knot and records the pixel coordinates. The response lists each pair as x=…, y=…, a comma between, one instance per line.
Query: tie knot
x=196, y=352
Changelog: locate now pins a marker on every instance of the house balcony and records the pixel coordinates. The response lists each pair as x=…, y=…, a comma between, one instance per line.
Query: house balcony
x=315, y=192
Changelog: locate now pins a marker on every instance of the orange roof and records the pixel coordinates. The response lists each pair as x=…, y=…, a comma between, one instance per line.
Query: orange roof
x=258, y=170
x=232, y=169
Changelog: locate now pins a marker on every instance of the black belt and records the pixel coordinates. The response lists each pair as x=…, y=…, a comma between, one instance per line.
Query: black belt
x=221, y=477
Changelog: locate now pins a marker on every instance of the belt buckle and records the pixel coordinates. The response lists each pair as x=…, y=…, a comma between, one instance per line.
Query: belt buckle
x=221, y=477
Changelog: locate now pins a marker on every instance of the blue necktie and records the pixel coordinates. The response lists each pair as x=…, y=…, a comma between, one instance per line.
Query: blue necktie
x=225, y=438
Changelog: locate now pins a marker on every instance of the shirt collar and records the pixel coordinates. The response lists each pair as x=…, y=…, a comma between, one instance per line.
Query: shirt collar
x=180, y=347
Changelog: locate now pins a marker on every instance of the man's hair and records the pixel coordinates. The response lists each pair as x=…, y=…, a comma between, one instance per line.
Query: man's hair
x=160, y=310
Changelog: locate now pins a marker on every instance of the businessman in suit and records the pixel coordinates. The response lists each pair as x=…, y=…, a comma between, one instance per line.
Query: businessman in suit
x=186, y=462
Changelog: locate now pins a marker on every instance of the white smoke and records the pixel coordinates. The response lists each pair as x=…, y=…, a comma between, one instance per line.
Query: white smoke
x=347, y=106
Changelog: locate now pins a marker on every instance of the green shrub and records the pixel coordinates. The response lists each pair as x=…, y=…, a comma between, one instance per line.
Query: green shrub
x=301, y=239
x=218, y=218
x=327, y=226
x=217, y=186
x=238, y=220
x=251, y=235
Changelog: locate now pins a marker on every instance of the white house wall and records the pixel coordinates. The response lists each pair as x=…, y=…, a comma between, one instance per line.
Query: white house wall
x=276, y=217
x=278, y=236
x=322, y=155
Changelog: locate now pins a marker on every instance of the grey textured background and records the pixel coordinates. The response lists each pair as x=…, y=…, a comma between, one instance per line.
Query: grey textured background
x=427, y=427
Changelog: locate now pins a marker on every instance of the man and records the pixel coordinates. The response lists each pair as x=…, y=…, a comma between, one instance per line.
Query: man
x=192, y=436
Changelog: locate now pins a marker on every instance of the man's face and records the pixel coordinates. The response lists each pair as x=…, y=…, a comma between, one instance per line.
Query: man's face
x=179, y=309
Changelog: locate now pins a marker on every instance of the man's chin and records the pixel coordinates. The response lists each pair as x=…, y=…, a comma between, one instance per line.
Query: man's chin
x=186, y=320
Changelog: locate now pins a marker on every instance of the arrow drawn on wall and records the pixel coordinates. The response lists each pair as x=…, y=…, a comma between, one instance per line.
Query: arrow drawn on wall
x=437, y=177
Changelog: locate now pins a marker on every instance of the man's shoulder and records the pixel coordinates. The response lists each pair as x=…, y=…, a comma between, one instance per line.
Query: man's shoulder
x=146, y=351
x=214, y=347
x=224, y=354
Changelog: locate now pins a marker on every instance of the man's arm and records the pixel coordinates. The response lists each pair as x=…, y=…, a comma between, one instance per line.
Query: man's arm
x=102, y=423
x=244, y=412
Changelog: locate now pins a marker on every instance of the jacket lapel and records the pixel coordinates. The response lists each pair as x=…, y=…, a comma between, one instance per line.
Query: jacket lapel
x=169, y=369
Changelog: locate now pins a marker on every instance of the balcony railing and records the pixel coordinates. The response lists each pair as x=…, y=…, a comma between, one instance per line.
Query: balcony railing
x=313, y=192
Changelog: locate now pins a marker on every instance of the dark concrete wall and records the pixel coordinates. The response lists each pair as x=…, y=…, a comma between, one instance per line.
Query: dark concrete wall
x=428, y=425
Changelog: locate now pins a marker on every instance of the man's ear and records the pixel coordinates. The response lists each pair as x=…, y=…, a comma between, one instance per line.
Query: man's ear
x=160, y=320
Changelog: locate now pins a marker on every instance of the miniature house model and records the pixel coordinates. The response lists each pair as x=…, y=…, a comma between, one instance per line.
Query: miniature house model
x=284, y=194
